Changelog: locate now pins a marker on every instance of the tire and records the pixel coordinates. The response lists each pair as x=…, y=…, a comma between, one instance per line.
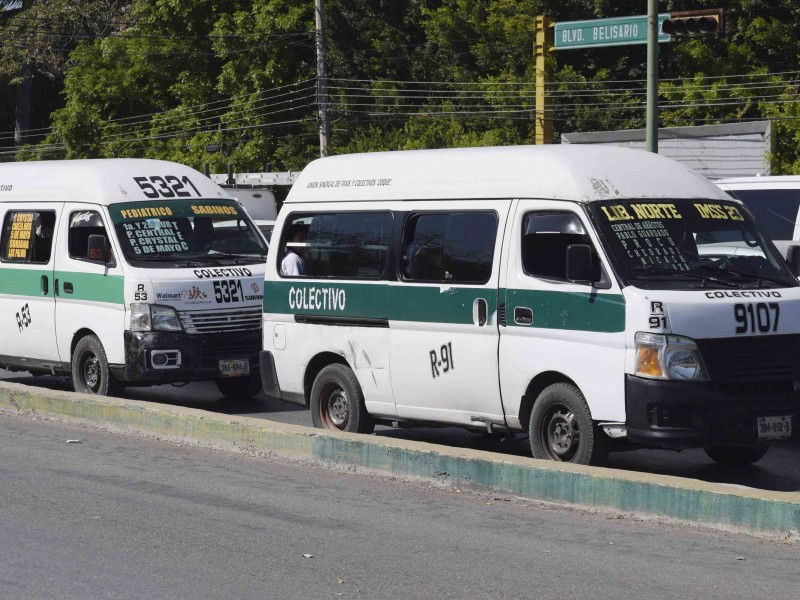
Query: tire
x=90, y=372
x=561, y=428
x=239, y=388
x=735, y=457
x=337, y=402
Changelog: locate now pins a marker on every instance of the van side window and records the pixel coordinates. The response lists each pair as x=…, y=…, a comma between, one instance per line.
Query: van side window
x=28, y=236
x=82, y=224
x=455, y=247
x=545, y=239
x=349, y=245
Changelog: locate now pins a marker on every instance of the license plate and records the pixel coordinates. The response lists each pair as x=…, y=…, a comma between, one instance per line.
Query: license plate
x=234, y=367
x=774, y=428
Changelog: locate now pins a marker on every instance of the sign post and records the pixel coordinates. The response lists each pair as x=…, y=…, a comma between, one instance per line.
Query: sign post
x=653, y=28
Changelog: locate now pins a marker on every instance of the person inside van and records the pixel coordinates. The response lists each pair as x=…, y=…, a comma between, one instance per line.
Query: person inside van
x=292, y=262
x=204, y=235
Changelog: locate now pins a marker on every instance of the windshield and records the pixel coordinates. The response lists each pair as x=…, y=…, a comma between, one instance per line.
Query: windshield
x=687, y=244
x=181, y=233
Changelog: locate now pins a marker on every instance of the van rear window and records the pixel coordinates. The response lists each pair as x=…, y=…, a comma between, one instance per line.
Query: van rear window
x=28, y=236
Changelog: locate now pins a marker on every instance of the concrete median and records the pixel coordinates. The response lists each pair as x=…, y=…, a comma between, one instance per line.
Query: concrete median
x=687, y=500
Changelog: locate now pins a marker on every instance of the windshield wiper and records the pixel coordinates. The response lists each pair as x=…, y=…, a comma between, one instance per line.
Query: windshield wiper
x=745, y=275
x=659, y=270
x=238, y=259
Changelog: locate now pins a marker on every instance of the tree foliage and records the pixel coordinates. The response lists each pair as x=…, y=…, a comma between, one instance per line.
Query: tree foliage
x=233, y=81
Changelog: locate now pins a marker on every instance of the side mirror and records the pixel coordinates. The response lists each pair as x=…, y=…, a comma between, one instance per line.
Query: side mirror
x=581, y=267
x=793, y=258
x=98, y=249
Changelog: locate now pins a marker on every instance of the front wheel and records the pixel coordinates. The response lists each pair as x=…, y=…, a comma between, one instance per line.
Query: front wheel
x=235, y=388
x=735, y=457
x=90, y=372
x=561, y=427
x=337, y=402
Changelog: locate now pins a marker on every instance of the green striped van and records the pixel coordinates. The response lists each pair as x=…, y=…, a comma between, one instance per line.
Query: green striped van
x=128, y=272
x=593, y=298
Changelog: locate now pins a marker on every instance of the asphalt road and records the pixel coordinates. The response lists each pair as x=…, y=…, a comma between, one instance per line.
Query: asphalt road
x=122, y=517
x=779, y=470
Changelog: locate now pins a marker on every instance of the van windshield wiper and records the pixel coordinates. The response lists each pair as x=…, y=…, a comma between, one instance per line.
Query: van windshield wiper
x=669, y=272
x=238, y=259
x=745, y=275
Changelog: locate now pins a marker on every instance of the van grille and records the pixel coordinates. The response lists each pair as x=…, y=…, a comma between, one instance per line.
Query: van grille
x=220, y=321
x=753, y=358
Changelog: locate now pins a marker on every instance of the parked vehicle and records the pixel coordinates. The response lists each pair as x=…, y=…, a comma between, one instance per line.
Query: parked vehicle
x=128, y=272
x=587, y=296
x=774, y=201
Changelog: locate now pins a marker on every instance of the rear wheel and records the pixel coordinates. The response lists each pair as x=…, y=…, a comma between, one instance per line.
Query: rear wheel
x=236, y=388
x=735, y=457
x=337, y=402
x=90, y=372
x=561, y=427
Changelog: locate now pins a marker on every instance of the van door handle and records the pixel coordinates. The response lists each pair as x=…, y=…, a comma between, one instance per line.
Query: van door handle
x=67, y=287
x=45, y=285
x=523, y=315
x=479, y=312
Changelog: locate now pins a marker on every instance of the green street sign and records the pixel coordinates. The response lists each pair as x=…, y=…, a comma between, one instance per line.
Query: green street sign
x=616, y=31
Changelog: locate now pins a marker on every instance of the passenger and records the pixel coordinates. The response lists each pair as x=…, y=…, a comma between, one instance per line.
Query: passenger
x=293, y=263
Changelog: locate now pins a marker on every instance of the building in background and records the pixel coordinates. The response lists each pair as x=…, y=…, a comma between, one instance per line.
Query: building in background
x=715, y=151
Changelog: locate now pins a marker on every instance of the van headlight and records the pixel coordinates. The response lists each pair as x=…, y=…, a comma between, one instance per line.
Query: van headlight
x=154, y=317
x=661, y=356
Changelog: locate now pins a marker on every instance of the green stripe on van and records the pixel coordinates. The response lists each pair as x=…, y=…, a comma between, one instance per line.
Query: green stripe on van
x=443, y=304
x=86, y=286
x=426, y=303
x=569, y=310
x=92, y=286
x=25, y=282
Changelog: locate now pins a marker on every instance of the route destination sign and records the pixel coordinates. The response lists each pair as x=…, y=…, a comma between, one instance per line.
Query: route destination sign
x=615, y=31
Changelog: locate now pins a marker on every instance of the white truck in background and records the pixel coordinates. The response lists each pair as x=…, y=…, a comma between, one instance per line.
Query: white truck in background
x=254, y=192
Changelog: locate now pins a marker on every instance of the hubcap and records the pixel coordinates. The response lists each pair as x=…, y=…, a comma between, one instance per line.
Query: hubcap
x=335, y=410
x=561, y=434
x=91, y=371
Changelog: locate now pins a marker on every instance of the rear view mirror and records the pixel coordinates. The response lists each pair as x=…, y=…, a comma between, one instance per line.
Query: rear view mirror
x=581, y=266
x=793, y=258
x=98, y=249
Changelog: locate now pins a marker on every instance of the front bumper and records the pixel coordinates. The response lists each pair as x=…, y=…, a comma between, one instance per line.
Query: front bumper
x=680, y=415
x=200, y=355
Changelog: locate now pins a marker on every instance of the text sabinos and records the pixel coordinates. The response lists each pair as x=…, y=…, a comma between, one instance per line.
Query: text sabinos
x=317, y=298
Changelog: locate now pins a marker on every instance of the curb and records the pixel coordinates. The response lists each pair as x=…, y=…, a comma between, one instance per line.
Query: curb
x=687, y=500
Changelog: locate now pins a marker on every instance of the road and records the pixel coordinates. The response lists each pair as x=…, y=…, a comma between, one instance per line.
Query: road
x=778, y=471
x=124, y=517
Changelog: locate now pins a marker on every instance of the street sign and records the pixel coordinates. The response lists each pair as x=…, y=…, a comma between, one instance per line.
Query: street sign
x=615, y=31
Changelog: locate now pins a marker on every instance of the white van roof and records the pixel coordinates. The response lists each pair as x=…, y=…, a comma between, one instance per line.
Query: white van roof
x=99, y=181
x=764, y=182
x=565, y=172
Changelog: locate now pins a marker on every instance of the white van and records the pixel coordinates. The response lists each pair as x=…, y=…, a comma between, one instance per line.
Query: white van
x=128, y=272
x=774, y=201
x=561, y=291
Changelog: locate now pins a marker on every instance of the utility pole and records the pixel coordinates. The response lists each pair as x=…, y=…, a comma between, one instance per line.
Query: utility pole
x=651, y=131
x=543, y=133
x=322, y=80
x=22, y=117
